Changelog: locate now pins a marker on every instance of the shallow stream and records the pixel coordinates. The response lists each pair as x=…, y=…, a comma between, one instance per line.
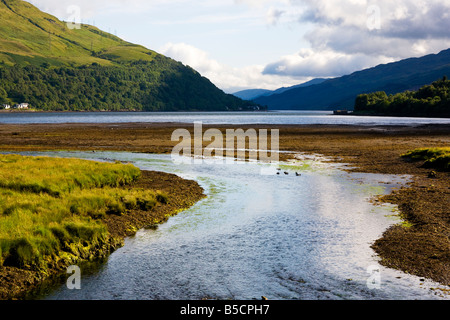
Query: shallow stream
x=258, y=233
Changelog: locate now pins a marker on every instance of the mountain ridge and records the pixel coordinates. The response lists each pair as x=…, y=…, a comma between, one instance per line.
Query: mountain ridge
x=56, y=68
x=43, y=35
x=251, y=94
x=341, y=92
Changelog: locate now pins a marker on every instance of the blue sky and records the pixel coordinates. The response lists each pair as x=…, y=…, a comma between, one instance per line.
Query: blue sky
x=241, y=44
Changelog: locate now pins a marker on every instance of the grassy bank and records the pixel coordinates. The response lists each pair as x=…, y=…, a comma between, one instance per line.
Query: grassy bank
x=437, y=158
x=50, y=207
x=421, y=249
x=56, y=212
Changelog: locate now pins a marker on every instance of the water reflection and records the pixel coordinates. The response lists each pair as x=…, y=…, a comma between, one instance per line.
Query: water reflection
x=238, y=118
x=283, y=237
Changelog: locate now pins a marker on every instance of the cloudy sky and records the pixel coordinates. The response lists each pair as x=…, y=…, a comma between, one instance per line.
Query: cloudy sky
x=241, y=44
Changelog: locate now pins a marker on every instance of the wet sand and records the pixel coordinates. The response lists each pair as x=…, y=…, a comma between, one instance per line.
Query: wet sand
x=421, y=247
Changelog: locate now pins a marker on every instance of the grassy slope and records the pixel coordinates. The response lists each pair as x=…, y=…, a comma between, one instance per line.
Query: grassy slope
x=31, y=35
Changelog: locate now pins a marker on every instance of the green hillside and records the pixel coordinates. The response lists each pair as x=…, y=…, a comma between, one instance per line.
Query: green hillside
x=29, y=35
x=46, y=63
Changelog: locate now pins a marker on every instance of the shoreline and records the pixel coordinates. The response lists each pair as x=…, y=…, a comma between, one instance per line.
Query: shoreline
x=331, y=112
x=17, y=283
x=422, y=248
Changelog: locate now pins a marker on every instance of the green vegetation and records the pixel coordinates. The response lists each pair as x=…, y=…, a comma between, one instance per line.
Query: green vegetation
x=52, y=67
x=429, y=101
x=52, y=209
x=30, y=36
x=159, y=85
x=438, y=158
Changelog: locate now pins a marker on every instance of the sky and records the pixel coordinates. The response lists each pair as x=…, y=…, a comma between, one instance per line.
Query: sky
x=269, y=44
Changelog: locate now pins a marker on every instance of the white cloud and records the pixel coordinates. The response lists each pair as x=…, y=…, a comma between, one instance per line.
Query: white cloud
x=192, y=56
x=324, y=63
x=228, y=78
x=348, y=35
x=273, y=15
x=335, y=37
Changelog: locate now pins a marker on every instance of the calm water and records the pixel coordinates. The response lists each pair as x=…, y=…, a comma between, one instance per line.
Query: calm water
x=257, y=233
x=281, y=117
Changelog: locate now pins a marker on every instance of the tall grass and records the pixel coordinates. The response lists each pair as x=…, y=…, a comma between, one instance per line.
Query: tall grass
x=51, y=207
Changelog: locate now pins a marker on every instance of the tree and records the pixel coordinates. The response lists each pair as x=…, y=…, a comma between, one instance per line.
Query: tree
x=362, y=102
x=3, y=96
x=430, y=100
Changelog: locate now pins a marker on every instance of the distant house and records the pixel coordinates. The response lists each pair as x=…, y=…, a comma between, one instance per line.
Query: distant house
x=6, y=106
x=21, y=106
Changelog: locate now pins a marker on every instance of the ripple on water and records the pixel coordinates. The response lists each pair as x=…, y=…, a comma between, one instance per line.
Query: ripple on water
x=256, y=234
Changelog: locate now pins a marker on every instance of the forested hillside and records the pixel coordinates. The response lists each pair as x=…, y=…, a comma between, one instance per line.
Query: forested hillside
x=429, y=101
x=136, y=86
x=55, y=66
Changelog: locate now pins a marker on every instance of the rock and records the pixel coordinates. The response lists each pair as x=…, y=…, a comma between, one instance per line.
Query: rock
x=432, y=174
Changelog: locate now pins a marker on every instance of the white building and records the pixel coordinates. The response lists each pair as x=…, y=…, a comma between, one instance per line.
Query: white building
x=21, y=106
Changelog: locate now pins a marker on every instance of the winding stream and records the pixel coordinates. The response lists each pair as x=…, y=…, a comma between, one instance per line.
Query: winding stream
x=256, y=234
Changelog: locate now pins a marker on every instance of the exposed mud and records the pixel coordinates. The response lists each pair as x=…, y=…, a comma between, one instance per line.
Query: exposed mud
x=181, y=194
x=420, y=247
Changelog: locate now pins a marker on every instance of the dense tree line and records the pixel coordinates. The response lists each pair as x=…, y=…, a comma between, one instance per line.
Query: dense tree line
x=429, y=101
x=159, y=85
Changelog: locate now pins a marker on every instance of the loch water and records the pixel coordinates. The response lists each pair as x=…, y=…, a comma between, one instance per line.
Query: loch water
x=232, y=118
x=256, y=234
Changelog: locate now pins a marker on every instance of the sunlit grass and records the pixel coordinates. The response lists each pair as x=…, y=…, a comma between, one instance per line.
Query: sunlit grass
x=438, y=158
x=52, y=205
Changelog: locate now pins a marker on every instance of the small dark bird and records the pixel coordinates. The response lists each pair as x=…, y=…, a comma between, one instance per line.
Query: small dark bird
x=297, y=174
x=286, y=173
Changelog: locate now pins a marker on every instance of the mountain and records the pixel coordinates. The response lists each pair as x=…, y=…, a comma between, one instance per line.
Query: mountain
x=340, y=93
x=302, y=85
x=252, y=94
x=54, y=65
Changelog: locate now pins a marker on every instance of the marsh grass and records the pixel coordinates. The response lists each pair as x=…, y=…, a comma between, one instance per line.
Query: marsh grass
x=438, y=158
x=52, y=207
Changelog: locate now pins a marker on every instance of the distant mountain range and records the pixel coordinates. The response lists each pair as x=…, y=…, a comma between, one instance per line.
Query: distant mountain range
x=341, y=92
x=252, y=94
x=54, y=65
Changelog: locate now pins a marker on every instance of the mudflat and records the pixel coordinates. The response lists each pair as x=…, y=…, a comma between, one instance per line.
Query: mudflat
x=420, y=247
